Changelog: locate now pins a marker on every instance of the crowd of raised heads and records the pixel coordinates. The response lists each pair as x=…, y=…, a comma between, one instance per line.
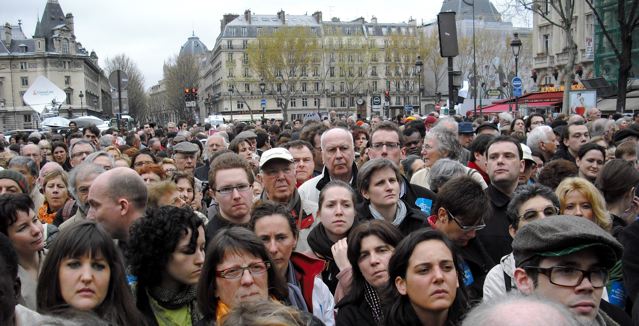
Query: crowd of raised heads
x=505, y=219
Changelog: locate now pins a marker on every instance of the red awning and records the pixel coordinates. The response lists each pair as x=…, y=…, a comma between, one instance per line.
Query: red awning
x=498, y=108
x=555, y=103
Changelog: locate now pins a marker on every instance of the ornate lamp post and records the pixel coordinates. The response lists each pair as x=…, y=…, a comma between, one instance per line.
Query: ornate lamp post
x=263, y=102
x=418, y=69
x=515, y=45
x=81, y=96
x=231, y=90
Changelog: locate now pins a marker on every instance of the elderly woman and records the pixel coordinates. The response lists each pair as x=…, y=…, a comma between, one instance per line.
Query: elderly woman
x=56, y=193
x=444, y=170
x=102, y=159
x=378, y=181
x=237, y=268
x=438, y=144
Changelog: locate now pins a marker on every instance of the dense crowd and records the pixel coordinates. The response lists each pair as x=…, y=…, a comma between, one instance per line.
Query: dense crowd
x=501, y=220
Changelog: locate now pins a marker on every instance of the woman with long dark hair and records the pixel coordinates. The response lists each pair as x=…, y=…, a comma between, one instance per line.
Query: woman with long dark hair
x=370, y=246
x=84, y=271
x=166, y=254
x=425, y=284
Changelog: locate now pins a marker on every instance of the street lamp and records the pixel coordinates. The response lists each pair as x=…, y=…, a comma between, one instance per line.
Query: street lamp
x=515, y=45
x=262, y=88
x=418, y=69
x=81, y=96
x=231, y=90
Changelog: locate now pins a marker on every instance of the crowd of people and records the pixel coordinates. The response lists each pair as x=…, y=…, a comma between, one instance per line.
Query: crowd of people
x=501, y=220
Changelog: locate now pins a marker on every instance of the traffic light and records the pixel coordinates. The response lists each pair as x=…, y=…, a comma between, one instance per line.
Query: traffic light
x=193, y=94
x=387, y=96
x=187, y=94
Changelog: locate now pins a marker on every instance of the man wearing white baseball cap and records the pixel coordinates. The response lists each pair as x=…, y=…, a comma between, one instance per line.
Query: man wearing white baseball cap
x=277, y=175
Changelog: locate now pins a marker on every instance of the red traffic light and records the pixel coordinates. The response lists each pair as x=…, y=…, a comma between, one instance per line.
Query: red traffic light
x=187, y=90
x=194, y=90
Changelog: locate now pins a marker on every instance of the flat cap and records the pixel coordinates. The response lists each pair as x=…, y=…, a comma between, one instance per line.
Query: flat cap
x=276, y=153
x=625, y=133
x=186, y=148
x=246, y=135
x=17, y=177
x=562, y=235
x=486, y=125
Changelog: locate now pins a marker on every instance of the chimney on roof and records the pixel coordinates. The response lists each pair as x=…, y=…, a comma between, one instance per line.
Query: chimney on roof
x=373, y=20
x=281, y=15
x=227, y=19
x=7, y=35
x=318, y=16
x=247, y=16
x=68, y=19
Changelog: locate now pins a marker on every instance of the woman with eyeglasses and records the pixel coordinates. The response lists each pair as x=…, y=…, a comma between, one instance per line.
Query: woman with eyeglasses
x=237, y=268
x=142, y=158
x=426, y=285
x=378, y=182
x=274, y=225
x=166, y=254
x=459, y=212
x=529, y=203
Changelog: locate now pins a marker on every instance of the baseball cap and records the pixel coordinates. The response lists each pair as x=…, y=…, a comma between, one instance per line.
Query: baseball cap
x=562, y=235
x=276, y=153
x=527, y=153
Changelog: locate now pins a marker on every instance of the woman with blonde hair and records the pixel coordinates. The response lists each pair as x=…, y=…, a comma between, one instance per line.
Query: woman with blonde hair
x=579, y=197
x=55, y=185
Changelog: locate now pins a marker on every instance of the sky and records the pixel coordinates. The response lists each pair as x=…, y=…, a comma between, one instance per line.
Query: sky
x=152, y=32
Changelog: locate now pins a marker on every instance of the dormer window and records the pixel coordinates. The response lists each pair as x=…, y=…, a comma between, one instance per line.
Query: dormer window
x=65, y=46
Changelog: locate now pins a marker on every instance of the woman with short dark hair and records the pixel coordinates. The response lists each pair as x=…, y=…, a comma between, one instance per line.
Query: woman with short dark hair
x=84, y=271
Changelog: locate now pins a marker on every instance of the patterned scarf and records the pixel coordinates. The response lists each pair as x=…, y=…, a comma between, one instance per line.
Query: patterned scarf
x=171, y=299
x=372, y=298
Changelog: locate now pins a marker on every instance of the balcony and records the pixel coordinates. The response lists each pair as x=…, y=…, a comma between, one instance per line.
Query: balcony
x=562, y=58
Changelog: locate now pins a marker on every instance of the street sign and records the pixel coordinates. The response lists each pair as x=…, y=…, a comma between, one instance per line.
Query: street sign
x=408, y=108
x=517, y=83
x=263, y=102
x=124, y=79
x=376, y=100
x=493, y=92
x=517, y=86
x=191, y=104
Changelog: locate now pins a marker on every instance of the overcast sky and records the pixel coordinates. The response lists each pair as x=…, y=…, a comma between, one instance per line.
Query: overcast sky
x=151, y=32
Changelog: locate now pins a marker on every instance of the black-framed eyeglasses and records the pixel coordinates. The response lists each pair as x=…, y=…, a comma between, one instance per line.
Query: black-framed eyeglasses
x=228, y=190
x=570, y=276
x=237, y=271
x=533, y=214
x=467, y=228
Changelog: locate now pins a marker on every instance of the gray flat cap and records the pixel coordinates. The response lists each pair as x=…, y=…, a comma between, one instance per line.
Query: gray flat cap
x=246, y=135
x=563, y=235
x=186, y=148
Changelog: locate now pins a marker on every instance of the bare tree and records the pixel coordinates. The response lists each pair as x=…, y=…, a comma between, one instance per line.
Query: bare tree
x=282, y=60
x=429, y=51
x=559, y=13
x=628, y=21
x=138, y=105
x=179, y=73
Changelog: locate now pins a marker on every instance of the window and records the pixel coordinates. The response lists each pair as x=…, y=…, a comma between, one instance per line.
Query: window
x=304, y=74
x=244, y=32
x=229, y=57
x=240, y=105
x=304, y=102
x=23, y=65
x=360, y=72
x=27, y=118
x=333, y=102
x=331, y=71
x=68, y=98
x=546, y=6
x=24, y=81
x=316, y=102
x=351, y=101
x=229, y=44
x=244, y=44
x=546, y=44
x=374, y=71
x=398, y=100
x=65, y=46
x=293, y=104
x=247, y=88
x=67, y=80
x=246, y=72
x=341, y=87
x=304, y=87
x=397, y=85
x=316, y=71
x=278, y=87
x=374, y=86
x=317, y=86
x=342, y=101
x=245, y=58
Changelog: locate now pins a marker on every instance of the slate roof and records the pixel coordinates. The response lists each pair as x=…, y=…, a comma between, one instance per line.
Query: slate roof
x=484, y=9
x=193, y=46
